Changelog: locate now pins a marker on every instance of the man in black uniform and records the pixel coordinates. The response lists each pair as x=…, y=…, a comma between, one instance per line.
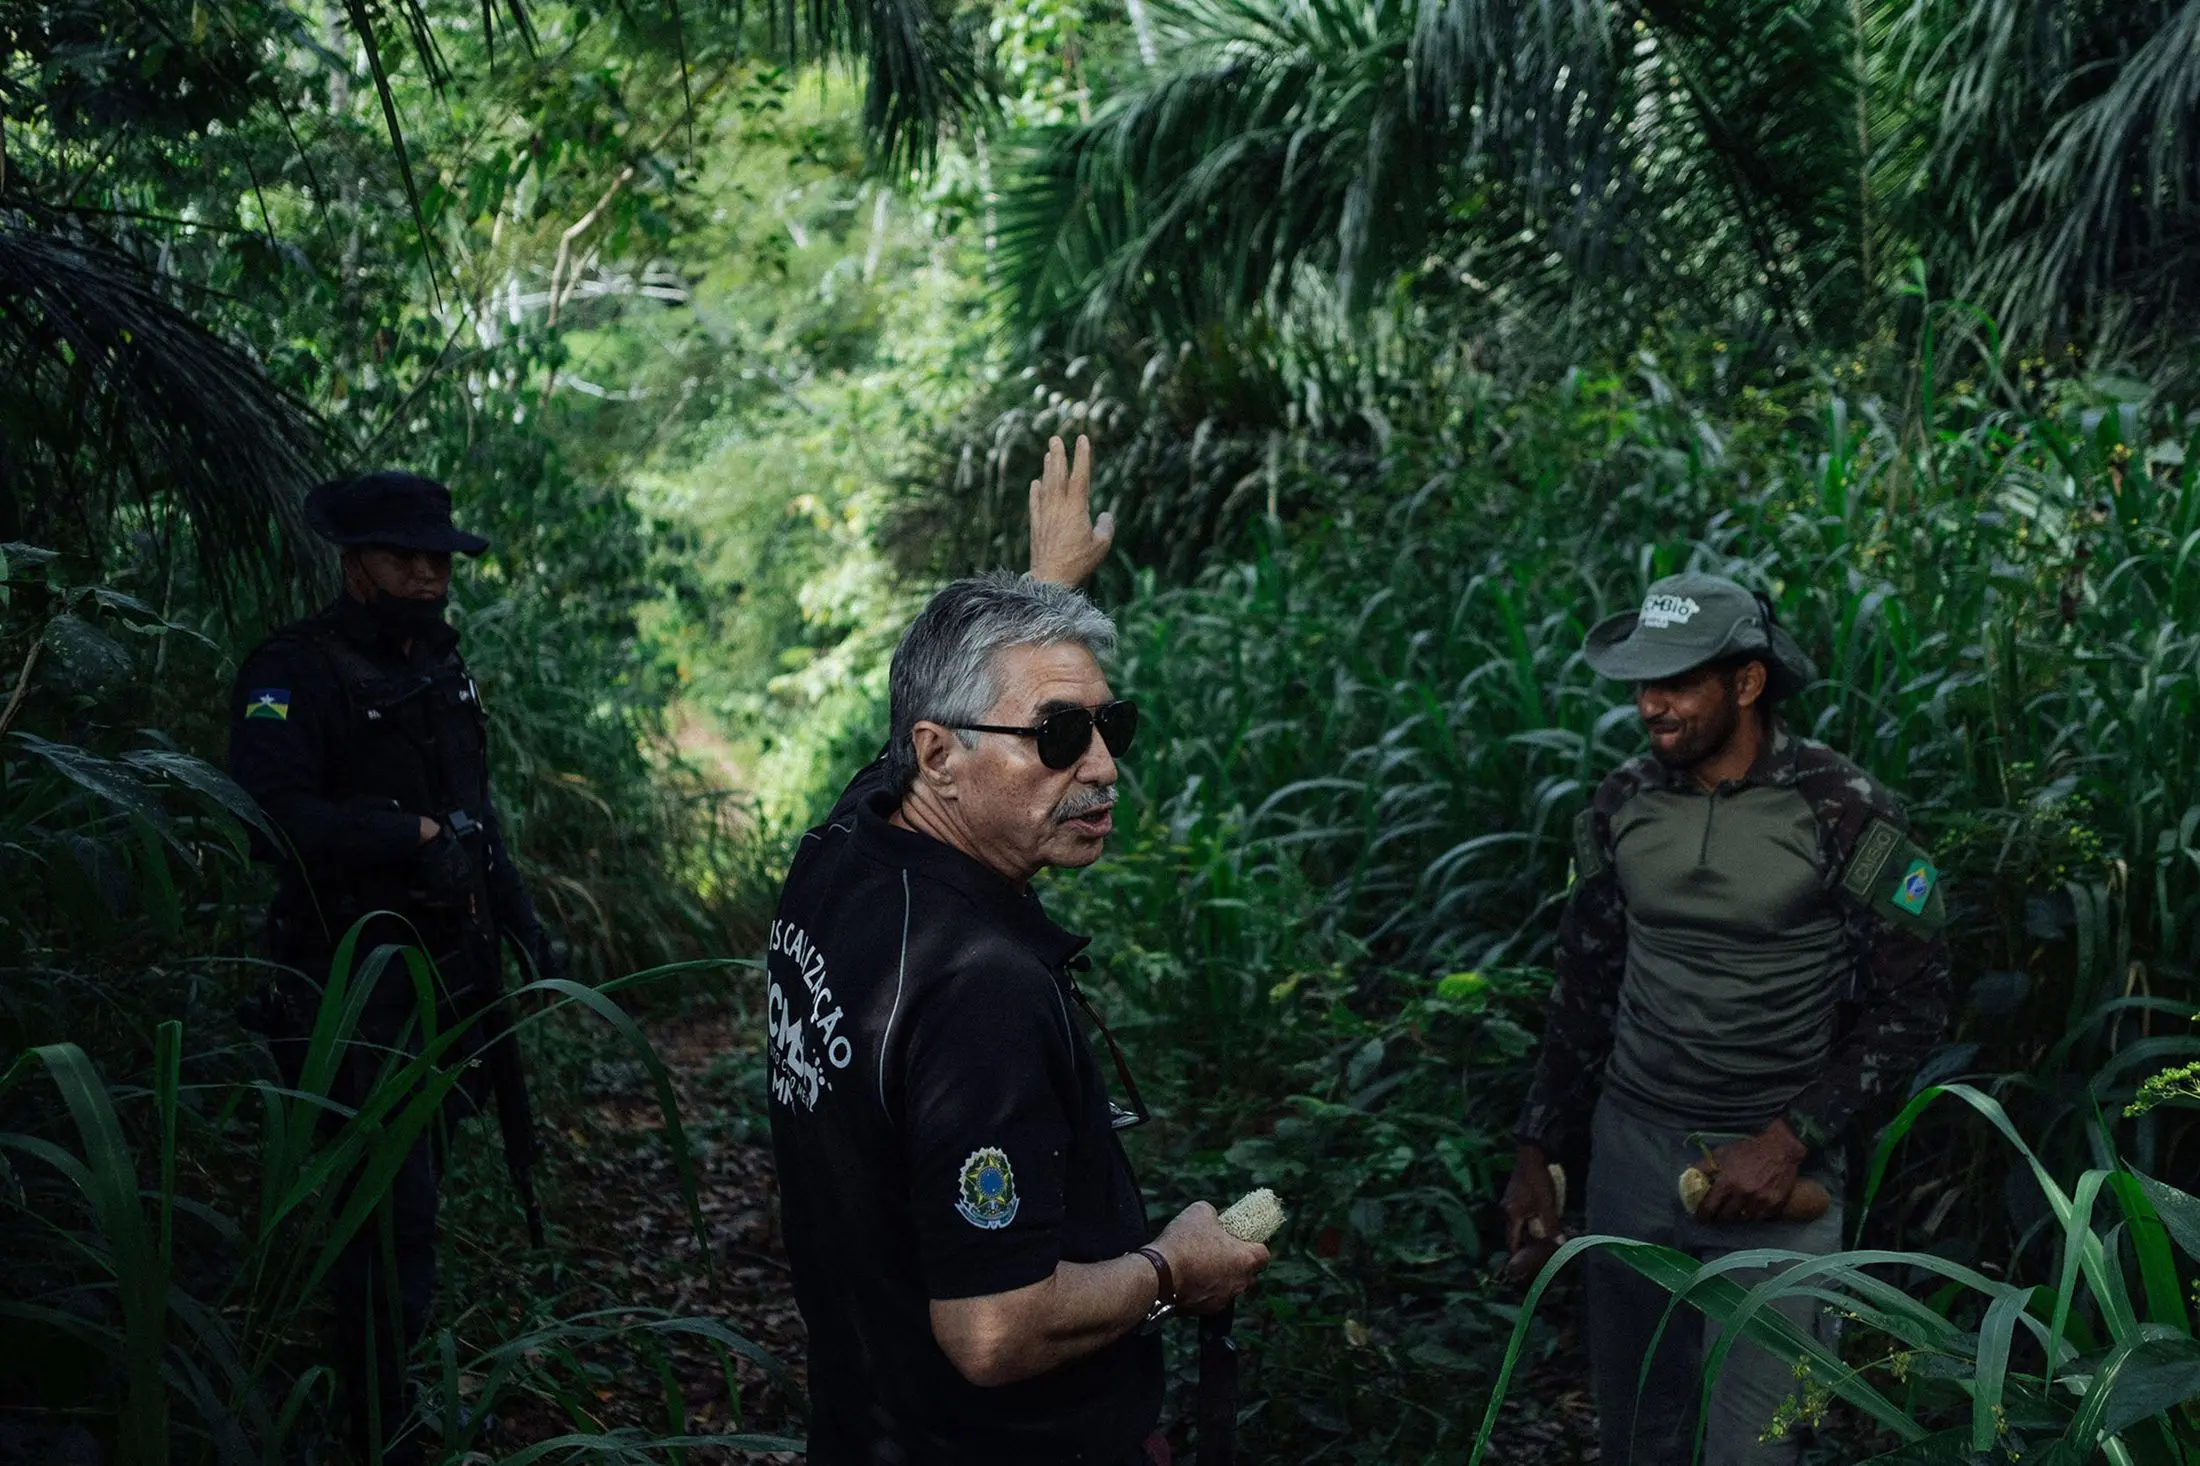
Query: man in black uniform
x=362, y=736
x=969, y=1245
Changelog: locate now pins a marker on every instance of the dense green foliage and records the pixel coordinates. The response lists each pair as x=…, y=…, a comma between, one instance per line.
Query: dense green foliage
x=1375, y=731
x=1768, y=169
x=1412, y=340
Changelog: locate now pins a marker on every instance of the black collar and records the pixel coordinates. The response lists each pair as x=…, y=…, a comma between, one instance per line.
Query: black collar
x=357, y=625
x=1016, y=907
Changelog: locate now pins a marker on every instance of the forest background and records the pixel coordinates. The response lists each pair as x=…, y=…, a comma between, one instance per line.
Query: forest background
x=1412, y=339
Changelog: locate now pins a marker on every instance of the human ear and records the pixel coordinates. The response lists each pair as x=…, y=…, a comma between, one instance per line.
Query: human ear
x=936, y=747
x=1749, y=684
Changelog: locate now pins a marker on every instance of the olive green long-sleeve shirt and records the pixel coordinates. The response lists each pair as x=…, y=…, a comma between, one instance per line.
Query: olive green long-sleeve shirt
x=1714, y=938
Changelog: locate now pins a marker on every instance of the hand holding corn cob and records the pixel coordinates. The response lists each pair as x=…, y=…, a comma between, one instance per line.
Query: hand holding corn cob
x=1521, y=1268
x=1211, y=1261
x=1806, y=1203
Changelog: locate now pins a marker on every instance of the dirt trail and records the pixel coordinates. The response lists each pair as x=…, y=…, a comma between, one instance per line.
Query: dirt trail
x=622, y=1238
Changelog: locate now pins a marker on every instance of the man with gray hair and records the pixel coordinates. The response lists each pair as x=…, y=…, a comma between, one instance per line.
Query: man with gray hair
x=969, y=1245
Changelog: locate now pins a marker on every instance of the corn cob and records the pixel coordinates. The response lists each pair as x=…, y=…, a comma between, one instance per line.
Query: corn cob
x=1254, y=1217
x=1558, y=1189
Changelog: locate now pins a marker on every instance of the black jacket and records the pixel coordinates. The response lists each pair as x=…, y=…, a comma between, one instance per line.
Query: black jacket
x=346, y=740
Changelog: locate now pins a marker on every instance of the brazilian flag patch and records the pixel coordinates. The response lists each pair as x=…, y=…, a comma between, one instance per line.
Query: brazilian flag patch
x=1916, y=886
x=1891, y=877
x=268, y=702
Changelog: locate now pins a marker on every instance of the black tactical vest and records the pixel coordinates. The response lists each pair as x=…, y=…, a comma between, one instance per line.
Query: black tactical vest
x=411, y=736
x=418, y=736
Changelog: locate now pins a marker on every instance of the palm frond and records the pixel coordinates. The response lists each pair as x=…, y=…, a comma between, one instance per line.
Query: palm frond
x=2109, y=201
x=1281, y=135
x=922, y=61
x=120, y=402
x=921, y=64
x=1640, y=152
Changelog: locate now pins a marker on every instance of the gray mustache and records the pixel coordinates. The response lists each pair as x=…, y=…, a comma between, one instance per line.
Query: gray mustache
x=1077, y=806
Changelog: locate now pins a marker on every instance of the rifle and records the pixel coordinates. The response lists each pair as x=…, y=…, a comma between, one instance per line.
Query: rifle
x=492, y=1010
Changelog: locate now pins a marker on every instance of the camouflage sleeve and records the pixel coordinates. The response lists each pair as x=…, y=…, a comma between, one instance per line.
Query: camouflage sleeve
x=1895, y=923
x=1592, y=957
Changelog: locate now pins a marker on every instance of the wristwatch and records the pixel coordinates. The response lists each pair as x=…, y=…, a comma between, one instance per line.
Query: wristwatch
x=1164, y=1302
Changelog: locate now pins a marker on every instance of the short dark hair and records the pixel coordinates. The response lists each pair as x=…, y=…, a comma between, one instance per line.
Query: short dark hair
x=1727, y=668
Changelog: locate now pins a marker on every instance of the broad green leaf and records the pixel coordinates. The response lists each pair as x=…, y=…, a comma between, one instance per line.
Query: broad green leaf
x=2179, y=1212
x=2157, y=1262
x=2142, y=1378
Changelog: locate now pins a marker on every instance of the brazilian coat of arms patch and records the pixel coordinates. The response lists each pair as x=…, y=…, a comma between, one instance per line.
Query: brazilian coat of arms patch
x=986, y=1192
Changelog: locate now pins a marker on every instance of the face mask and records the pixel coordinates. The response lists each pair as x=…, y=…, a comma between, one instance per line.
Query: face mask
x=402, y=616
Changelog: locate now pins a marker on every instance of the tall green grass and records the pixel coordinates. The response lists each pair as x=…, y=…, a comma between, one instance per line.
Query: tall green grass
x=1378, y=720
x=162, y=1291
x=1370, y=727
x=2097, y=1361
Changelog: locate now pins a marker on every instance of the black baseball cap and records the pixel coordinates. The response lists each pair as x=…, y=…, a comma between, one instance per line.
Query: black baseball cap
x=1689, y=620
x=389, y=508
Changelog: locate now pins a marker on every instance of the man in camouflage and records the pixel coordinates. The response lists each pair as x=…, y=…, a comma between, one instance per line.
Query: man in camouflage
x=1751, y=958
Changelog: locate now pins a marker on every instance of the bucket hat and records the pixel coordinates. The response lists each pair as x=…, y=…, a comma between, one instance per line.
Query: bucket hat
x=1688, y=620
x=389, y=508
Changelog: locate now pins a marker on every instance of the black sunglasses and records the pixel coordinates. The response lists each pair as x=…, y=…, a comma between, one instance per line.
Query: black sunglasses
x=1063, y=737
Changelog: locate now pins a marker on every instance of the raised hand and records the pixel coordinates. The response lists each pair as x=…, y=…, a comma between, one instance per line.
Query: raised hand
x=1067, y=544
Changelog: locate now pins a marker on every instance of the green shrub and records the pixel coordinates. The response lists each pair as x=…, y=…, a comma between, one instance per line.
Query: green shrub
x=1368, y=731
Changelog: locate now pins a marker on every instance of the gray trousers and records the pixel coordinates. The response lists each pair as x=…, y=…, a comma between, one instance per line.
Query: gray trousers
x=1634, y=1168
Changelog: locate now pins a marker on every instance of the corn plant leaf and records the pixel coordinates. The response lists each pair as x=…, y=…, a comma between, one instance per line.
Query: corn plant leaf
x=2157, y=1263
x=1995, y=1335
x=2179, y=1212
x=2141, y=1379
x=108, y=1176
x=1676, y=1272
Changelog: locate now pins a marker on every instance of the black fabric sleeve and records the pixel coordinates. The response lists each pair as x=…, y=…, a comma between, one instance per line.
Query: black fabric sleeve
x=987, y=1126
x=282, y=761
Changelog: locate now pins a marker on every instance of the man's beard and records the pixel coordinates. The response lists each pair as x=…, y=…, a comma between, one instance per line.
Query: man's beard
x=1086, y=801
x=1702, y=740
x=405, y=616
